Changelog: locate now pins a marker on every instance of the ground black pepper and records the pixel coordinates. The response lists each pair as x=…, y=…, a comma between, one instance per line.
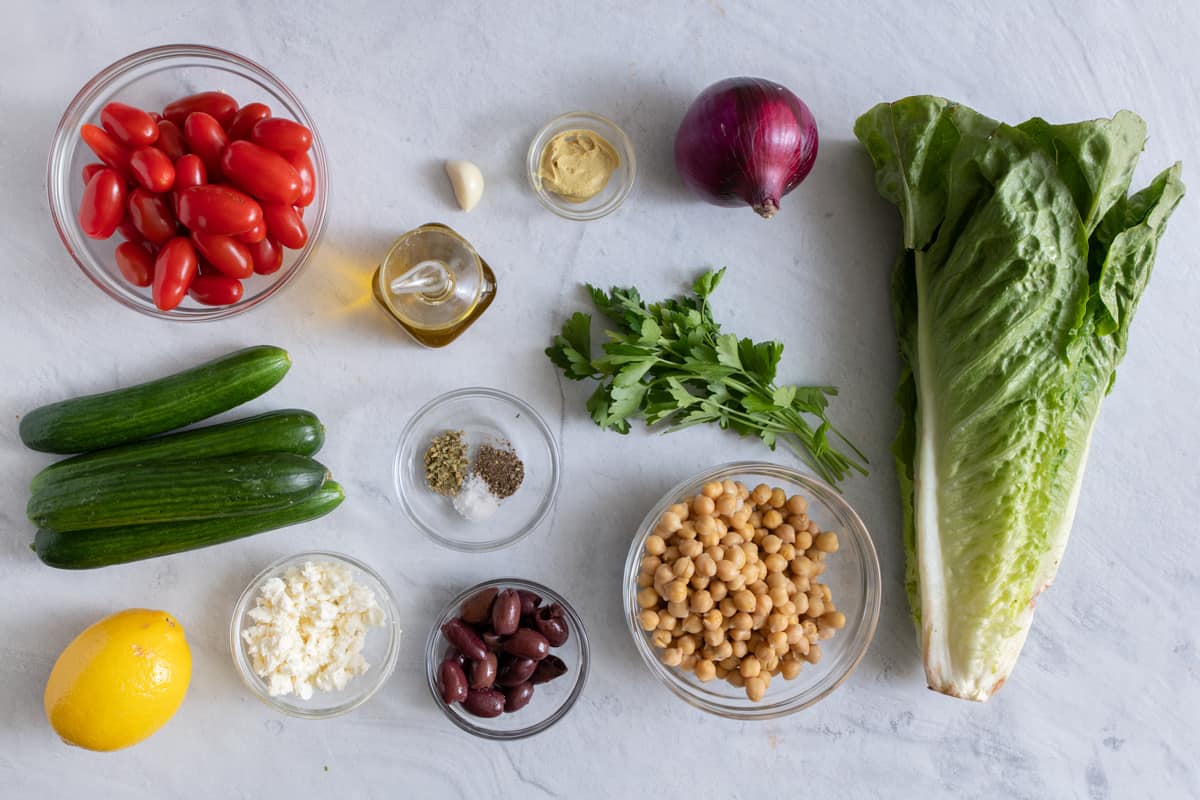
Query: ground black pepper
x=501, y=469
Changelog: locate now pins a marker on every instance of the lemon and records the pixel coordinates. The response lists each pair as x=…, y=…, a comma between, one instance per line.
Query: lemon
x=119, y=681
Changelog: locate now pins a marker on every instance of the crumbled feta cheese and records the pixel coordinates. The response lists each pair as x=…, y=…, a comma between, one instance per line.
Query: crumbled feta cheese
x=310, y=626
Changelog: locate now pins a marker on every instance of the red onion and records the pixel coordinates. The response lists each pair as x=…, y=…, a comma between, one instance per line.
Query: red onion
x=746, y=141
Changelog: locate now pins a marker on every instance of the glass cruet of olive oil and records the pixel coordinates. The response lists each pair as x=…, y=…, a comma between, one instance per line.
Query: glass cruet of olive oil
x=434, y=283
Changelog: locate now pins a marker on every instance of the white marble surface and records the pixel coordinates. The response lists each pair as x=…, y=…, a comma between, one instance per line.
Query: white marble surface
x=1106, y=699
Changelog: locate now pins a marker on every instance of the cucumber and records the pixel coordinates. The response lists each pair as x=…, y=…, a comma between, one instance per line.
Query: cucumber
x=287, y=431
x=125, y=415
x=101, y=548
x=171, y=491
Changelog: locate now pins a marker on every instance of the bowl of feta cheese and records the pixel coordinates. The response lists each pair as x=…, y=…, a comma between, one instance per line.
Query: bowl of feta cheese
x=315, y=635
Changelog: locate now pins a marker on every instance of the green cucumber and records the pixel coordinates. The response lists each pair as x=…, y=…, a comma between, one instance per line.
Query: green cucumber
x=287, y=431
x=148, y=409
x=107, y=546
x=172, y=491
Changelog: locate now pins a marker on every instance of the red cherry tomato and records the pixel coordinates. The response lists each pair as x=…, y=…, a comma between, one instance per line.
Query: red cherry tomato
x=103, y=204
x=89, y=170
x=130, y=233
x=206, y=138
x=267, y=256
x=136, y=263
x=152, y=169
x=284, y=225
x=106, y=147
x=151, y=216
x=217, y=104
x=128, y=125
x=255, y=234
x=218, y=209
x=281, y=135
x=245, y=119
x=215, y=290
x=189, y=172
x=308, y=178
x=260, y=172
x=225, y=253
x=170, y=140
x=174, y=270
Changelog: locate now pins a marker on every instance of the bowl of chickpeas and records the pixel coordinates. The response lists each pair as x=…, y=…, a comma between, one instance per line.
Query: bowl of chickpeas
x=752, y=590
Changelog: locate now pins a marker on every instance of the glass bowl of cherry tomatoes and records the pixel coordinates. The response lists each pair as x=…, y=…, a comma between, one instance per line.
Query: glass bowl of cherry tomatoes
x=188, y=182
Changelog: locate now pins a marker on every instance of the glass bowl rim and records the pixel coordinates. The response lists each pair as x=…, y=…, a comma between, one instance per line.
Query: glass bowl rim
x=383, y=671
x=432, y=659
x=562, y=208
x=865, y=624
x=489, y=545
x=62, y=146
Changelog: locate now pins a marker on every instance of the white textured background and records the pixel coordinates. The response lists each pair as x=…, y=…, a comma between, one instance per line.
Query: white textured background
x=1106, y=700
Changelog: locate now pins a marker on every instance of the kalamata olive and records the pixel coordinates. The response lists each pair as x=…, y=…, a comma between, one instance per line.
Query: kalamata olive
x=492, y=639
x=478, y=607
x=506, y=612
x=484, y=703
x=465, y=639
x=483, y=672
x=529, y=602
x=550, y=622
x=454, y=654
x=515, y=670
x=517, y=697
x=452, y=681
x=527, y=643
x=548, y=669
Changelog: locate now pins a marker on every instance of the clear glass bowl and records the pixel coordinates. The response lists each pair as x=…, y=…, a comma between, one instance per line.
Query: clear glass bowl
x=150, y=79
x=852, y=575
x=381, y=647
x=551, y=701
x=620, y=183
x=484, y=415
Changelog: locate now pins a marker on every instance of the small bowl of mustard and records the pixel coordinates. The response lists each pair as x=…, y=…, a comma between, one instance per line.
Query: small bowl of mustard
x=581, y=166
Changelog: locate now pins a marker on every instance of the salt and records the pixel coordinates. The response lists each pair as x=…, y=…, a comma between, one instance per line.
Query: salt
x=475, y=500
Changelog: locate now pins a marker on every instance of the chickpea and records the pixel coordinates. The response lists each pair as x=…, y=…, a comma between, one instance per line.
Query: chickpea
x=772, y=519
x=728, y=609
x=731, y=539
x=645, y=580
x=705, y=525
x=686, y=644
x=670, y=554
x=834, y=619
x=722, y=674
x=740, y=649
x=778, y=642
x=713, y=620
x=738, y=635
x=667, y=623
x=761, y=494
x=778, y=594
x=713, y=638
x=689, y=662
x=778, y=498
x=650, y=563
x=828, y=596
x=756, y=688
x=672, y=656
x=709, y=539
x=670, y=521
x=655, y=544
x=736, y=679
x=742, y=621
x=777, y=622
x=684, y=568
x=720, y=526
x=770, y=664
x=797, y=504
x=814, y=654
x=701, y=601
x=706, y=670
x=647, y=598
x=771, y=544
x=740, y=517
x=826, y=542
x=676, y=591
x=795, y=634
x=718, y=590
x=762, y=651
x=790, y=670
x=775, y=563
x=726, y=569
x=715, y=552
x=802, y=567
x=788, y=552
x=819, y=568
x=744, y=600
x=801, y=585
x=762, y=570
x=824, y=633
x=816, y=605
x=660, y=638
x=755, y=518
x=751, y=551
x=763, y=604
x=791, y=607
x=737, y=557
x=678, y=610
x=750, y=667
x=786, y=533
x=690, y=548
x=723, y=651
x=648, y=619
x=680, y=509
x=699, y=582
x=705, y=566
x=727, y=504
x=712, y=490
x=810, y=629
x=801, y=647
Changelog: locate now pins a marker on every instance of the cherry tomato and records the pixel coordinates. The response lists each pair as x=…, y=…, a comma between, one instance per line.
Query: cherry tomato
x=206, y=138
x=281, y=135
x=89, y=170
x=308, y=178
x=130, y=233
x=217, y=104
x=284, y=225
x=103, y=204
x=136, y=263
x=106, y=147
x=189, y=172
x=152, y=169
x=215, y=290
x=174, y=270
x=128, y=125
x=260, y=172
x=245, y=119
x=218, y=209
x=225, y=253
x=255, y=234
x=170, y=140
x=151, y=216
x=267, y=256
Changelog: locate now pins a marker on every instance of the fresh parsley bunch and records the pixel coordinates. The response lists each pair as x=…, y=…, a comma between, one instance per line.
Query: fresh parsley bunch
x=670, y=362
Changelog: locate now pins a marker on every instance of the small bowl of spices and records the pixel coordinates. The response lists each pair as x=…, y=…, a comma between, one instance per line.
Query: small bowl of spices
x=581, y=166
x=476, y=469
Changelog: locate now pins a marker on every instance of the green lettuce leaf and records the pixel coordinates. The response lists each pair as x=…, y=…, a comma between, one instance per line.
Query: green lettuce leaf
x=1022, y=263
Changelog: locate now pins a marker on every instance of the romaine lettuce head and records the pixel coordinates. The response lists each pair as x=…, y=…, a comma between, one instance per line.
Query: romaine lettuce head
x=1022, y=264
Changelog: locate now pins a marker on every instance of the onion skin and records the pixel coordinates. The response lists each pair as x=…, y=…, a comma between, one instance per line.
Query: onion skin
x=746, y=141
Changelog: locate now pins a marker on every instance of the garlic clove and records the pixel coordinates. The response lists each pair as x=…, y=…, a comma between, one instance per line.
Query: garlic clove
x=467, y=182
